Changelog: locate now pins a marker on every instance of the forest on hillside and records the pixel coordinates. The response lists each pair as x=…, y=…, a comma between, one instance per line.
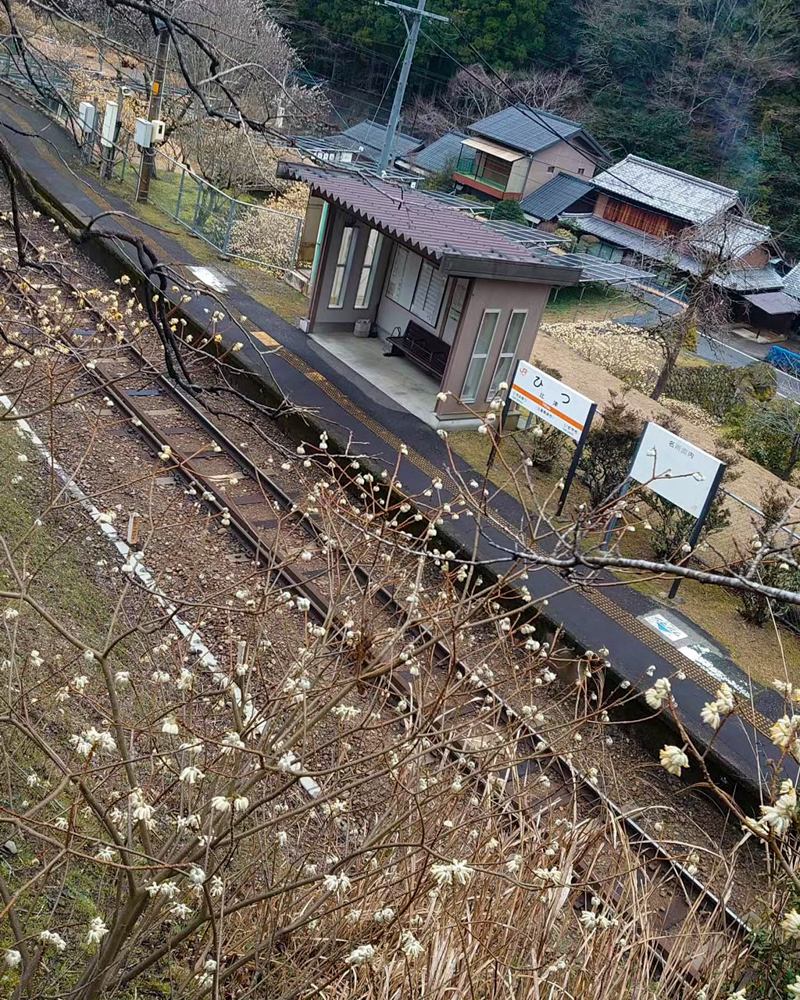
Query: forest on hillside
x=707, y=86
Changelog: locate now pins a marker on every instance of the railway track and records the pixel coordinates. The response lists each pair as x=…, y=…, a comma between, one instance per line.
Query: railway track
x=258, y=509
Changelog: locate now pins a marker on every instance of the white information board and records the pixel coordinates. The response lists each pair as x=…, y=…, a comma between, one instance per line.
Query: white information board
x=109, y=124
x=675, y=469
x=552, y=401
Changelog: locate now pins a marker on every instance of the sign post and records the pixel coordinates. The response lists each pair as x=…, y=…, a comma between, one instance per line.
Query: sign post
x=679, y=472
x=694, y=538
x=557, y=404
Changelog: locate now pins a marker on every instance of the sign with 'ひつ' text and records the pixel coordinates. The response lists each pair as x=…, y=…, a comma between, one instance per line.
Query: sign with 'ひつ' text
x=675, y=469
x=552, y=401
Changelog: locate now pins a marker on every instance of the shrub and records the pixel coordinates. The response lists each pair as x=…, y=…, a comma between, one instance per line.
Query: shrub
x=609, y=449
x=719, y=388
x=442, y=180
x=671, y=526
x=622, y=350
x=768, y=433
x=544, y=445
x=713, y=387
x=509, y=211
x=759, y=381
x=753, y=607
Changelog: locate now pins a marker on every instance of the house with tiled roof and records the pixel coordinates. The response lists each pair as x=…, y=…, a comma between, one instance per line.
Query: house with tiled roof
x=440, y=155
x=645, y=211
x=517, y=150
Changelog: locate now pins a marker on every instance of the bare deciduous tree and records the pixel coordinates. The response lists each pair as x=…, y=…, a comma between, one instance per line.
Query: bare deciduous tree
x=473, y=93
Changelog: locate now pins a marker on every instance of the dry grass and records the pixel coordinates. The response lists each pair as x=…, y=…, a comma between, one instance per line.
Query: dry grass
x=595, y=382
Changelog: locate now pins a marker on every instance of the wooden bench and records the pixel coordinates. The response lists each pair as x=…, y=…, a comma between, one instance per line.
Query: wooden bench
x=421, y=347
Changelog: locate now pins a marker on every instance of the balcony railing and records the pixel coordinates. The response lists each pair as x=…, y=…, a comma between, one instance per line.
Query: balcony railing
x=482, y=173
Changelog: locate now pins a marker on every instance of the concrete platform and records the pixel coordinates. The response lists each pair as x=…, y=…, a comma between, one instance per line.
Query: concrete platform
x=363, y=418
x=399, y=379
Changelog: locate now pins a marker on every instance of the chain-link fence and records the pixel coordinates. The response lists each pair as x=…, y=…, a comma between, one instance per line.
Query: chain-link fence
x=47, y=83
x=235, y=227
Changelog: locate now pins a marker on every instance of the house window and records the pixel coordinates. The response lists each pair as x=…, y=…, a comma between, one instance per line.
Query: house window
x=428, y=294
x=368, y=268
x=516, y=324
x=477, y=365
x=581, y=170
x=551, y=170
x=342, y=269
x=403, y=276
x=416, y=285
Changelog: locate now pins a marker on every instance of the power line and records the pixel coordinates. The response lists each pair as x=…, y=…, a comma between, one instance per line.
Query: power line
x=536, y=116
x=353, y=46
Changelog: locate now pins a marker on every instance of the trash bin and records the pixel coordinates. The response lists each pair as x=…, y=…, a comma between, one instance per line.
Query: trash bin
x=362, y=327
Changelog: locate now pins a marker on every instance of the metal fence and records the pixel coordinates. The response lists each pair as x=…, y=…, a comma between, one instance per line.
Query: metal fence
x=48, y=84
x=235, y=227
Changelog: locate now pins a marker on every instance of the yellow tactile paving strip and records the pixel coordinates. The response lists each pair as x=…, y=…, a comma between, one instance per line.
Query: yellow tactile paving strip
x=603, y=603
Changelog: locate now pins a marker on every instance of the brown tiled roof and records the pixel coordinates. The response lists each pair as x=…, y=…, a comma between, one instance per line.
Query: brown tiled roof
x=421, y=223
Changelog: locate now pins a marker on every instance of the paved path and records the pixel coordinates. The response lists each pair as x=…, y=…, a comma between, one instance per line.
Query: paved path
x=355, y=413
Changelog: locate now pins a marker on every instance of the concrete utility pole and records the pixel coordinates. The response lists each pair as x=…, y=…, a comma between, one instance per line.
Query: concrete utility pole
x=416, y=14
x=154, y=107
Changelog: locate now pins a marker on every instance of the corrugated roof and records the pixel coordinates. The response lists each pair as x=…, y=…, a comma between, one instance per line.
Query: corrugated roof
x=671, y=191
x=774, y=303
x=424, y=224
x=555, y=197
x=529, y=129
x=440, y=153
x=741, y=279
x=371, y=135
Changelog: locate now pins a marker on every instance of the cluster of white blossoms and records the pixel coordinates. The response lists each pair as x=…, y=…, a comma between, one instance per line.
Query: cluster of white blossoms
x=206, y=977
x=337, y=883
x=713, y=712
x=93, y=741
x=778, y=817
x=784, y=733
x=97, y=931
x=658, y=694
x=410, y=946
x=673, y=759
x=791, y=924
x=364, y=954
x=51, y=938
x=141, y=810
x=595, y=919
x=223, y=804
x=455, y=873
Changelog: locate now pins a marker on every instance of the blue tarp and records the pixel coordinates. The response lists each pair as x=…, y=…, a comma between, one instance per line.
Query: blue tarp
x=783, y=360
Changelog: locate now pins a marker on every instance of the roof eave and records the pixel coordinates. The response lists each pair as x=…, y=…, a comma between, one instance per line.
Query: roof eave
x=525, y=150
x=498, y=269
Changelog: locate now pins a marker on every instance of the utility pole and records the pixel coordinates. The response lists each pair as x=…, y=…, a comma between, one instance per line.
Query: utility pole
x=416, y=14
x=154, y=107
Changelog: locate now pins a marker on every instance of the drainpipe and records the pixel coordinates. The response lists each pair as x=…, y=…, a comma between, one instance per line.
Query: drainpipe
x=527, y=175
x=320, y=251
x=318, y=248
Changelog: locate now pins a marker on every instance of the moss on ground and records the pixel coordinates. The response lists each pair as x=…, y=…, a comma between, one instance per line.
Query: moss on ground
x=60, y=577
x=266, y=286
x=590, y=302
